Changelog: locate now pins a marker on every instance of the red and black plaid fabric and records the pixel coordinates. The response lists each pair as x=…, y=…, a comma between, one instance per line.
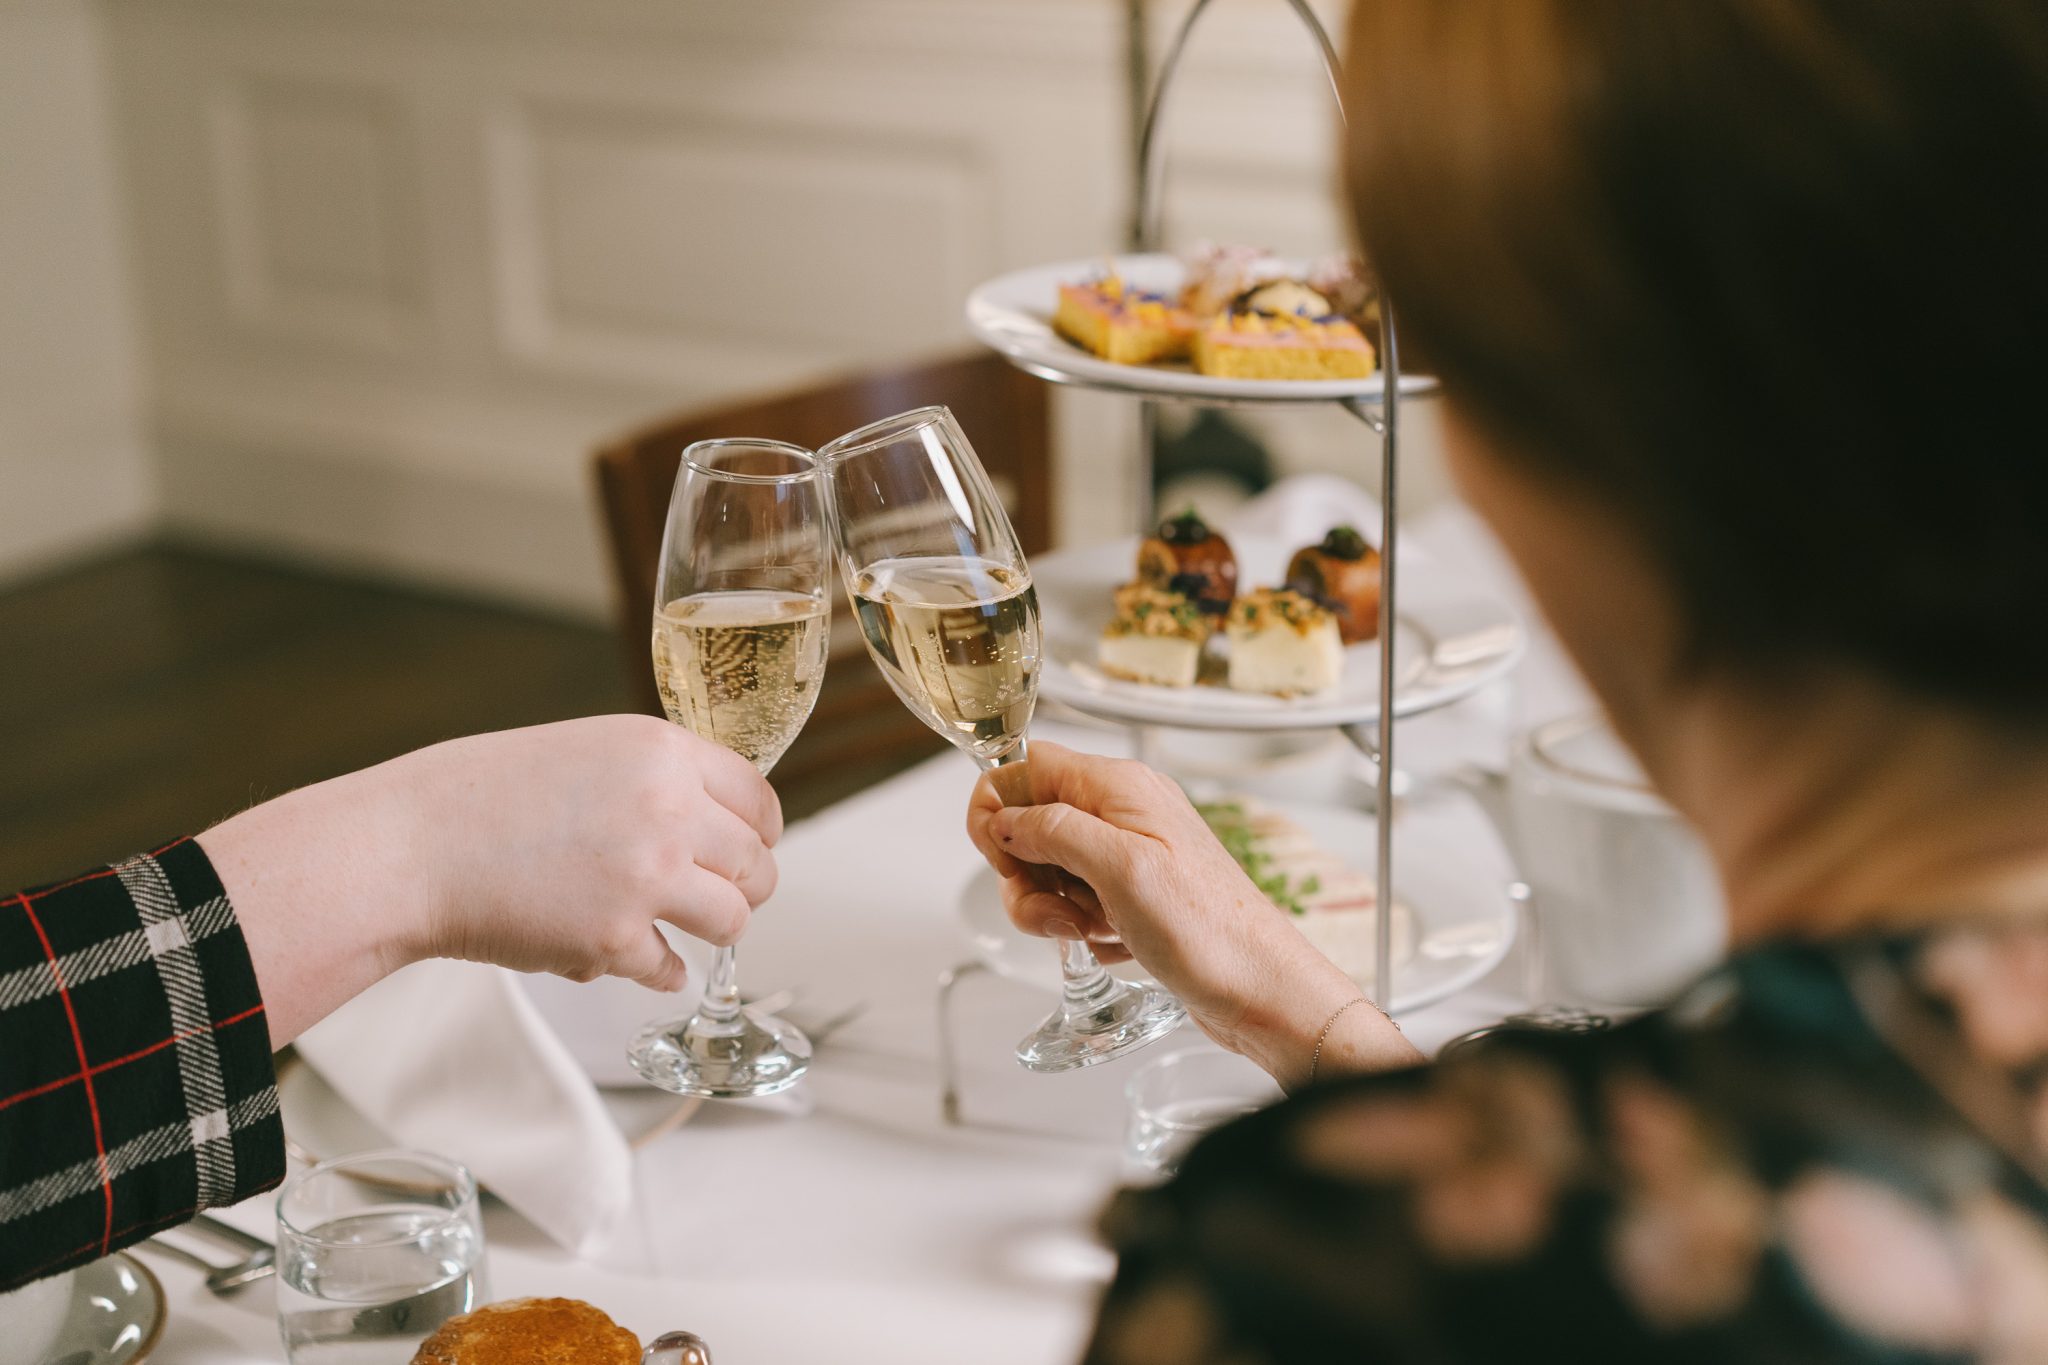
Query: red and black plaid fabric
x=136, y=1085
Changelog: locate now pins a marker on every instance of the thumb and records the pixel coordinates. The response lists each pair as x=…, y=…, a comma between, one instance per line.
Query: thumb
x=657, y=967
x=1066, y=837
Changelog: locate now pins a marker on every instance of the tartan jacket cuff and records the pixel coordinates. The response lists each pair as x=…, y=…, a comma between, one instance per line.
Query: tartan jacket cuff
x=136, y=1082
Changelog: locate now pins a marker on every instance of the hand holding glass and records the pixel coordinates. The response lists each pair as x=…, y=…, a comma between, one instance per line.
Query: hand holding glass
x=948, y=614
x=740, y=639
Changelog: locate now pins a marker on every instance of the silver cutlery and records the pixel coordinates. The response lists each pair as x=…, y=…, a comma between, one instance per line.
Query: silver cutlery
x=259, y=1258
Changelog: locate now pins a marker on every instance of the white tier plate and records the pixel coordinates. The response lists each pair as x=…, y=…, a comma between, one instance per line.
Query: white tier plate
x=1013, y=315
x=1449, y=641
x=1451, y=874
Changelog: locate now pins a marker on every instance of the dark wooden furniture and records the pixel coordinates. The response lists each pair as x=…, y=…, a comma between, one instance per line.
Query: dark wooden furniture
x=151, y=692
x=859, y=733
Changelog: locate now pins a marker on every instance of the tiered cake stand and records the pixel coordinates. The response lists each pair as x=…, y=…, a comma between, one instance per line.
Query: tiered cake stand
x=1012, y=315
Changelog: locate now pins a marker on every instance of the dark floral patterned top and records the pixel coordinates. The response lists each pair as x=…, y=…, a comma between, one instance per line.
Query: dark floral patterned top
x=1818, y=1155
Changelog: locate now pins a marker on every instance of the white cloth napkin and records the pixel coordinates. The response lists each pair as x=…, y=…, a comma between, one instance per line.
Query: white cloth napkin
x=1302, y=508
x=452, y=1057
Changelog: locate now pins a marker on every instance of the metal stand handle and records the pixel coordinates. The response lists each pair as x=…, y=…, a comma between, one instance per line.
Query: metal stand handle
x=949, y=1064
x=1383, y=417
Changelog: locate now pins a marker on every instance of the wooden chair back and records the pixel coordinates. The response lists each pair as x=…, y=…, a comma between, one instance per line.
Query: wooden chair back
x=859, y=732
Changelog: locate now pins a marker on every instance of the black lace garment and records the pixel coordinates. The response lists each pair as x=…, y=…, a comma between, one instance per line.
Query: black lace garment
x=1810, y=1158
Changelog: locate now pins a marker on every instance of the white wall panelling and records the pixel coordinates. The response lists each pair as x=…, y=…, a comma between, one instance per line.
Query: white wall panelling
x=74, y=466
x=635, y=242
x=405, y=261
x=317, y=210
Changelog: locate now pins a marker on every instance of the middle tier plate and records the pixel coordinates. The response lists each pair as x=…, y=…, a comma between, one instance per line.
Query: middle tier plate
x=1449, y=641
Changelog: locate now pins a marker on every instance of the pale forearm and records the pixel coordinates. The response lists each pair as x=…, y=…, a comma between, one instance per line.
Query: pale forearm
x=323, y=882
x=1281, y=1032
x=552, y=849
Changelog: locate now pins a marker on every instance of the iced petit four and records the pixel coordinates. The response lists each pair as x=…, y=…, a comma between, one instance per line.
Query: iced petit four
x=1255, y=345
x=1121, y=324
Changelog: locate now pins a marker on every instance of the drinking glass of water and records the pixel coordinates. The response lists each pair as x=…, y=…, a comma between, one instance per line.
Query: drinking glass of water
x=374, y=1251
x=1179, y=1097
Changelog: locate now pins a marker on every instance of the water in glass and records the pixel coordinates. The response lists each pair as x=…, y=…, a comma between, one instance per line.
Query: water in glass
x=367, y=1288
x=1177, y=1098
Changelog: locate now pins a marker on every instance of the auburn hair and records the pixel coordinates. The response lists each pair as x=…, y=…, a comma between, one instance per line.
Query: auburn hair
x=1767, y=277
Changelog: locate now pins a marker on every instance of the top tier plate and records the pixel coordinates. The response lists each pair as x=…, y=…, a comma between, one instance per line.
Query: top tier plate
x=1013, y=315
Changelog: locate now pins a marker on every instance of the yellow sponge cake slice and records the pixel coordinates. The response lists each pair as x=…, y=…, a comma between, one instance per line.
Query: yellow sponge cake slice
x=1250, y=345
x=1123, y=325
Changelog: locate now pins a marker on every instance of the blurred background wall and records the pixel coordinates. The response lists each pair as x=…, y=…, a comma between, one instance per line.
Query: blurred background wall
x=387, y=269
x=75, y=470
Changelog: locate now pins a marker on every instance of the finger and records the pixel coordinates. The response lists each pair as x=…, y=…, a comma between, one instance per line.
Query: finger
x=1058, y=774
x=709, y=907
x=1046, y=914
x=657, y=968
x=1066, y=837
x=1122, y=791
x=733, y=783
x=982, y=806
x=758, y=879
x=727, y=846
x=1080, y=893
x=1109, y=954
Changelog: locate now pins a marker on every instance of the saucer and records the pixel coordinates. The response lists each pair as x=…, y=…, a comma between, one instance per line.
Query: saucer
x=117, y=1314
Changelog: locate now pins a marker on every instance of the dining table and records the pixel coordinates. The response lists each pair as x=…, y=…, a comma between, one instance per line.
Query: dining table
x=853, y=1220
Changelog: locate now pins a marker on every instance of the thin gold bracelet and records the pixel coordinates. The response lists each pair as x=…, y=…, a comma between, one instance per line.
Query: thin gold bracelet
x=1316, y=1058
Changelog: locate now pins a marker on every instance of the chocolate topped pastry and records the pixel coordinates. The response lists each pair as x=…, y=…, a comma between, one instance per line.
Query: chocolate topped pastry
x=1189, y=558
x=1342, y=573
x=531, y=1332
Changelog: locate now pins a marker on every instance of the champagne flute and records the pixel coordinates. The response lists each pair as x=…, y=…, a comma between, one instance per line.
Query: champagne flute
x=740, y=637
x=947, y=610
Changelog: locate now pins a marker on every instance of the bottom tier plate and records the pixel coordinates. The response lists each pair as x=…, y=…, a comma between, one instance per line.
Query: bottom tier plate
x=1450, y=876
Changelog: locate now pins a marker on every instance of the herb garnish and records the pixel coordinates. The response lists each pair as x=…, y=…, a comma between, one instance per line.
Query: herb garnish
x=1231, y=825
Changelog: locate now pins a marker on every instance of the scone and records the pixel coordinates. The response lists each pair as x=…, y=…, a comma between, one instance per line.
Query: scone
x=1156, y=637
x=1283, y=644
x=531, y=1332
x=1124, y=325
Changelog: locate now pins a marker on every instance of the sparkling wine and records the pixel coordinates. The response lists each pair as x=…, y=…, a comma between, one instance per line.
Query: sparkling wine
x=742, y=668
x=958, y=640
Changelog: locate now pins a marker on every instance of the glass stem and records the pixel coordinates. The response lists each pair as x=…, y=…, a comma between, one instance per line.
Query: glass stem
x=1085, y=984
x=719, y=1012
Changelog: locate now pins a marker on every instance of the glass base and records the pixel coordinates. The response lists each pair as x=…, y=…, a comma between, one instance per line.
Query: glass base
x=764, y=1056
x=1126, y=1021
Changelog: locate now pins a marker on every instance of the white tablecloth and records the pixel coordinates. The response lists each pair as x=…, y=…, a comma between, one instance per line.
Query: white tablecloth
x=866, y=1229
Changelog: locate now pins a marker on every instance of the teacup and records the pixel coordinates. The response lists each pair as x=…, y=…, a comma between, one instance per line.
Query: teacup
x=33, y=1316
x=1628, y=904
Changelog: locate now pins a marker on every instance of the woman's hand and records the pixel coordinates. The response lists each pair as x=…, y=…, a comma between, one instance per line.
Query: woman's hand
x=1143, y=870
x=555, y=848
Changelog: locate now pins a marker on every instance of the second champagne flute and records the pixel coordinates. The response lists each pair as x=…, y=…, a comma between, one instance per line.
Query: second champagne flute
x=740, y=639
x=947, y=610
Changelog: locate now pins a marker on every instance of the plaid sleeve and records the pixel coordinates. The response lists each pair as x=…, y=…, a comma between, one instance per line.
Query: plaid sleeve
x=136, y=1085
